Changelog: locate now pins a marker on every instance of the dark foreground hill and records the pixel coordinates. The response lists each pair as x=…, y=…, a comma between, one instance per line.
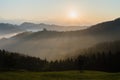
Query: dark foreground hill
x=106, y=59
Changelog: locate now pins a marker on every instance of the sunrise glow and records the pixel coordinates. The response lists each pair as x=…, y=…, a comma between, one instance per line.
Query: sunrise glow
x=73, y=15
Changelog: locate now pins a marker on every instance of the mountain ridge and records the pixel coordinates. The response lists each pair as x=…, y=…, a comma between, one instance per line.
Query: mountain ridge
x=56, y=45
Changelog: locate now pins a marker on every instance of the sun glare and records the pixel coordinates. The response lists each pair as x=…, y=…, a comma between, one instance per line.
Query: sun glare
x=73, y=14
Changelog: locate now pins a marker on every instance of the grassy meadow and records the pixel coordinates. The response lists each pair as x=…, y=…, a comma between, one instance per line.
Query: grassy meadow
x=64, y=75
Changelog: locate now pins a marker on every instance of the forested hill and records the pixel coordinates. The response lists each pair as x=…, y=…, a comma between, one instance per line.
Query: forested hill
x=14, y=61
x=106, y=59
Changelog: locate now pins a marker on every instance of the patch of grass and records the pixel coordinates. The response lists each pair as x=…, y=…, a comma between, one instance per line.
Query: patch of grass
x=63, y=75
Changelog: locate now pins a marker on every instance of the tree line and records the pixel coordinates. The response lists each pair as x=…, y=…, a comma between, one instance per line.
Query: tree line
x=108, y=61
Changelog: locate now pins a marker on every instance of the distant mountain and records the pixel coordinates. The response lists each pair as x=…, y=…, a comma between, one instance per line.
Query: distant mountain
x=57, y=45
x=6, y=28
x=38, y=27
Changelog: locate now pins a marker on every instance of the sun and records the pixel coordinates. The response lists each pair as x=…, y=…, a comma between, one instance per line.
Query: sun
x=73, y=14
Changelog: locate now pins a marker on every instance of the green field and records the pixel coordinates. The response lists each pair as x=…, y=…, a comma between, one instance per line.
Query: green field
x=65, y=75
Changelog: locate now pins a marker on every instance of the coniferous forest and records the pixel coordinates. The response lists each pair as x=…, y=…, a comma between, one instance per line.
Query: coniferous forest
x=102, y=57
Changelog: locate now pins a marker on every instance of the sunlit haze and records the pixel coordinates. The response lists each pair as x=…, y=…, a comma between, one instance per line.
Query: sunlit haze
x=63, y=12
x=73, y=15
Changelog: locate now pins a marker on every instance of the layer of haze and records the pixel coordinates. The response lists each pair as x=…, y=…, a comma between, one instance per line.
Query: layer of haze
x=57, y=11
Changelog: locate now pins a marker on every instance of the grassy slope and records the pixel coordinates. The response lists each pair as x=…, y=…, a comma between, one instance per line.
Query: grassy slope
x=66, y=75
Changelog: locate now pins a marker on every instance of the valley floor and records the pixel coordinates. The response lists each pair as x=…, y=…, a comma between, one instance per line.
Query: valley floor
x=64, y=75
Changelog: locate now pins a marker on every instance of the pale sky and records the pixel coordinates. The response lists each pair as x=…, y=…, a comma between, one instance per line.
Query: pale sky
x=63, y=12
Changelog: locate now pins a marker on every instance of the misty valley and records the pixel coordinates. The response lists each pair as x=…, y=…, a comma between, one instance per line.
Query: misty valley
x=59, y=40
x=94, y=48
x=55, y=52
x=53, y=44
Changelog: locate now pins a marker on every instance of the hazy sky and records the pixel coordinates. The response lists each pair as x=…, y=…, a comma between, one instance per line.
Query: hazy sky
x=59, y=11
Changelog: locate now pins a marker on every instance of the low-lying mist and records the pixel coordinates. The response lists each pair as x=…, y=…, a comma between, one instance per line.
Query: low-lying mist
x=8, y=35
x=49, y=48
x=51, y=45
